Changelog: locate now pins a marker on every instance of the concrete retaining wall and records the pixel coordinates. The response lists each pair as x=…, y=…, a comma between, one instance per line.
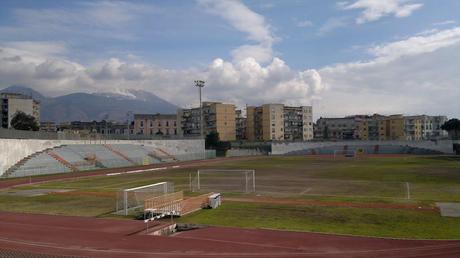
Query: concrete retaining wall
x=14, y=150
x=444, y=146
x=244, y=152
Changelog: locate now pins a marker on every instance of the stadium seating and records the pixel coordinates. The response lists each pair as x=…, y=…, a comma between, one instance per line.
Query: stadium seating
x=81, y=157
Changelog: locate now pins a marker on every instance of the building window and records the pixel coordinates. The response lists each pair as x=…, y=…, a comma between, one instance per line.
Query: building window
x=167, y=123
x=142, y=123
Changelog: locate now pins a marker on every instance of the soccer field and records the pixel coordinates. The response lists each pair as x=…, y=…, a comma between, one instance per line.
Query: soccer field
x=410, y=181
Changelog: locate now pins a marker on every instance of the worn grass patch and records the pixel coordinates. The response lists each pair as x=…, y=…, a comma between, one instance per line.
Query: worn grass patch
x=354, y=221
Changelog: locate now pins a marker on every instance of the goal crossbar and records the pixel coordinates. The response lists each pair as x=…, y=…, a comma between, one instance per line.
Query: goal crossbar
x=248, y=175
x=133, y=198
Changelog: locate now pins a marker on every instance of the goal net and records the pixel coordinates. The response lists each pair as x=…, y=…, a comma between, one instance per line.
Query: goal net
x=133, y=198
x=223, y=180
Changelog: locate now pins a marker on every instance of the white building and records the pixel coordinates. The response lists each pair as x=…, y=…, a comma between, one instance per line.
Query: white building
x=11, y=103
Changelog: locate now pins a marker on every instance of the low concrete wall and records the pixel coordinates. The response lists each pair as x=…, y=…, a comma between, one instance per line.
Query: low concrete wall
x=14, y=150
x=244, y=152
x=443, y=146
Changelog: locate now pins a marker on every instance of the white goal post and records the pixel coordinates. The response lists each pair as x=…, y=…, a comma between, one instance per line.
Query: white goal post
x=224, y=180
x=132, y=198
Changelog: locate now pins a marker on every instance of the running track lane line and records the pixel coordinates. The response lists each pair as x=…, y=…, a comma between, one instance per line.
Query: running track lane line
x=122, y=251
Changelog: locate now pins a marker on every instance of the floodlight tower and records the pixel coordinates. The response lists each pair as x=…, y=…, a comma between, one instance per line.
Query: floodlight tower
x=200, y=85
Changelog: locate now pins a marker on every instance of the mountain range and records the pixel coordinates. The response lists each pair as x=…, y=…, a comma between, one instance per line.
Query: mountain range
x=96, y=106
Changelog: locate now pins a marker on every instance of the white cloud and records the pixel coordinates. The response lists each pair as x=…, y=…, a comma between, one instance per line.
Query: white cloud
x=332, y=24
x=246, y=81
x=415, y=75
x=375, y=9
x=442, y=23
x=245, y=20
x=417, y=45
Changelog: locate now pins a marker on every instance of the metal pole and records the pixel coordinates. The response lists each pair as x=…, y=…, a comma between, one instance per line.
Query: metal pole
x=198, y=183
x=254, y=181
x=201, y=115
x=190, y=180
x=246, y=180
x=125, y=199
x=200, y=84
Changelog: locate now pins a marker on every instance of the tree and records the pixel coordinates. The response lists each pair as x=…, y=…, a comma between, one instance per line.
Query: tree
x=453, y=128
x=212, y=140
x=22, y=121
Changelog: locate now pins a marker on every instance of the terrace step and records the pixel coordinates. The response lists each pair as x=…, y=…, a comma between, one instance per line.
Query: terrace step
x=62, y=161
x=120, y=154
x=18, y=164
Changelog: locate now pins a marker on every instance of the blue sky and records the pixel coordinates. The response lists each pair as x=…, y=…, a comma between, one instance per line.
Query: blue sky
x=356, y=56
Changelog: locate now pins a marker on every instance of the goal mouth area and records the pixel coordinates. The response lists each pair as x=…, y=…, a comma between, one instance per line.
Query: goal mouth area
x=223, y=180
x=132, y=199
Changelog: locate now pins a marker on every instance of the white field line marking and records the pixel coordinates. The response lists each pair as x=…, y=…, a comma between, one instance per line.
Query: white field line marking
x=175, y=167
x=306, y=190
x=136, y=171
x=408, y=190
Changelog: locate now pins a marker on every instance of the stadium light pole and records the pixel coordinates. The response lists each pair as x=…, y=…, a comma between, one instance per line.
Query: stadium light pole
x=200, y=85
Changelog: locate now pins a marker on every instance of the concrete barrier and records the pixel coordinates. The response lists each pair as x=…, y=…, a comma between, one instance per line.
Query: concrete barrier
x=442, y=146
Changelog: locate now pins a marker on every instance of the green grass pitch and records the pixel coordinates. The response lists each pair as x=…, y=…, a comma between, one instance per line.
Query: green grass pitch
x=368, y=180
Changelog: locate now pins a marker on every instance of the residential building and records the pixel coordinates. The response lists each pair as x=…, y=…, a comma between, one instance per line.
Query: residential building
x=265, y=123
x=11, y=103
x=48, y=126
x=93, y=127
x=241, y=124
x=217, y=117
x=430, y=126
x=392, y=128
x=368, y=127
x=276, y=122
x=298, y=123
x=345, y=128
x=413, y=127
x=155, y=124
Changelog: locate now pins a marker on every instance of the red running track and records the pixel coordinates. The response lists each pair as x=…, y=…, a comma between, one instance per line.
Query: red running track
x=91, y=237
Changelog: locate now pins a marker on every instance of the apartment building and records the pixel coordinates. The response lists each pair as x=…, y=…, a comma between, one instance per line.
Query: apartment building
x=276, y=122
x=430, y=126
x=241, y=124
x=413, y=128
x=155, y=124
x=392, y=128
x=368, y=127
x=88, y=127
x=298, y=123
x=11, y=103
x=217, y=117
x=345, y=128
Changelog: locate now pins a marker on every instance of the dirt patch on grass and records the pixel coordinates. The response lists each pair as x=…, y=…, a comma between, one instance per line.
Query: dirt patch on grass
x=75, y=193
x=334, y=203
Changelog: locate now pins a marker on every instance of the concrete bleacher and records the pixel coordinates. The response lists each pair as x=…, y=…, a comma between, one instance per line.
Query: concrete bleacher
x=81, y=157
x=136, y=153
x=368, y=149
x=40, y=164
x=104, y=157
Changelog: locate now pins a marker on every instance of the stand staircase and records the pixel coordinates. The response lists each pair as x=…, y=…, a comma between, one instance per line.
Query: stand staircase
x=62, y=161
x=169, y=156
x=18, y=164
x=120, y=154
